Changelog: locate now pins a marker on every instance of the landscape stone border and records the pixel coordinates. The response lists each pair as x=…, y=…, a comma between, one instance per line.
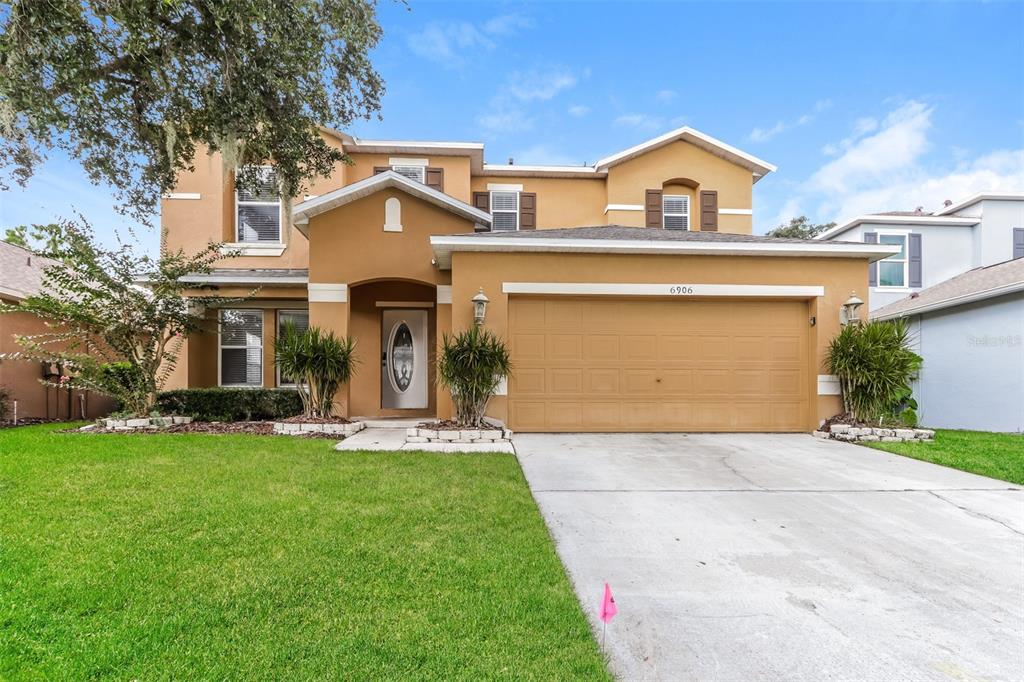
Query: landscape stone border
x=459, y=436
x=300, y=428
x=142, y=423
x=866, y=434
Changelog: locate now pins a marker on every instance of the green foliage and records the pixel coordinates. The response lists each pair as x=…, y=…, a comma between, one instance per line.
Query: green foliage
x=471, y=365
x=231, y=404
x=875, y=366
x=800, y=228
x=98, y=314
x=35, y=238
x=133, y=89
x=318, y=361
x=5, y=403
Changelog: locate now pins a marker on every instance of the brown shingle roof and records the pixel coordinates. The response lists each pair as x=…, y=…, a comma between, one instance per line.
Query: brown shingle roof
x=622, y=232
x=973, y=285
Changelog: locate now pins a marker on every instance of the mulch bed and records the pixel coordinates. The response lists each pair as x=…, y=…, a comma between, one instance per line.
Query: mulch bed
x=850, y=420
x=299, y=419
x=452, y=425
x=217, y=428
x=28, y=422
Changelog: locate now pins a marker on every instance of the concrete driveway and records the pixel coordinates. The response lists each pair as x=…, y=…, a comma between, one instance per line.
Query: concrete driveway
x=784, y=557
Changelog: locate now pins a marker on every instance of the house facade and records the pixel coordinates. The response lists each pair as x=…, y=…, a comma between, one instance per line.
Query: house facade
x=979, y=231
x=631, y=292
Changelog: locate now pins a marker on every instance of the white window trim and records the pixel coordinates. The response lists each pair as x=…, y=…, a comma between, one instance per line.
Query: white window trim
x=493, y=211
x=686, y=213
x=277, y=370
x=906, y=260
x=422, y=171
x=280, y=217
x=221, y=347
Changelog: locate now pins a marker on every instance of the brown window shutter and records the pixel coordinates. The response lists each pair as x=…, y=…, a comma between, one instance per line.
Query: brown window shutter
x=709, y=211
x=527, y=210
x=482, y=200
x=435, y=178
x=380, y=169
x=653, y=208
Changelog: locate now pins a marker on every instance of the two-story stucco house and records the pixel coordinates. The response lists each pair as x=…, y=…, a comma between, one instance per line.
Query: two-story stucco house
x=981, y=230
x=631, y=292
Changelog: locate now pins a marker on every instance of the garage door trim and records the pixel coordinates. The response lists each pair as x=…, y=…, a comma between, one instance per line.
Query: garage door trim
x=663, y=289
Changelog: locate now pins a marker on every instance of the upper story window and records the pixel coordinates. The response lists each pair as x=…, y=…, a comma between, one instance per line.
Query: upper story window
x=417, y=173
x=892, y=271
x=504, y=211
x=258, y=211
x=675, y=212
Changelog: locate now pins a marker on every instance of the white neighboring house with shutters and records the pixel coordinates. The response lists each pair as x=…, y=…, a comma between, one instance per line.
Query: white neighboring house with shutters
x=982, y=230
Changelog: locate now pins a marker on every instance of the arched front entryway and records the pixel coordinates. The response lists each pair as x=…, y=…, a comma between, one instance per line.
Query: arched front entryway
x=394, y=323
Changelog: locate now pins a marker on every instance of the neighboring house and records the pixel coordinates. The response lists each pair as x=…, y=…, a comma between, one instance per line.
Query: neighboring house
x=631, y=292
x=982, y=230
x=970, y=331
x=21, y=275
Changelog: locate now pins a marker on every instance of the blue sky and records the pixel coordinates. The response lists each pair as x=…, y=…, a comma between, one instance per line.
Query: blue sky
x=862, y=106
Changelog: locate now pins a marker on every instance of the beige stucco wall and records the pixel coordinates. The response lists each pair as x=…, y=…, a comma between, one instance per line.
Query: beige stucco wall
x=456, y=170
x=489, y=270
x=561, y=202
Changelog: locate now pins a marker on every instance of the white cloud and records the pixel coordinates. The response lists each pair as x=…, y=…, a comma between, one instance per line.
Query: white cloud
x=886, y=166
x=543, y=155
x=539, y=84
x=510, y=120
x=507, y=110
x=450, y=43
x=640, y=121
x=578, y=110
x=665, y=96
x=765, y=134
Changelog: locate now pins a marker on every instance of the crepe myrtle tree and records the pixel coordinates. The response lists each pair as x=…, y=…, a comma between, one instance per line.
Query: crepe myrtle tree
x=115, y=317
x=133, y=89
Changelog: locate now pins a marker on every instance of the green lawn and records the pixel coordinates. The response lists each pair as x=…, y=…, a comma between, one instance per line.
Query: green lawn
x=997, y=455
x=215, y=557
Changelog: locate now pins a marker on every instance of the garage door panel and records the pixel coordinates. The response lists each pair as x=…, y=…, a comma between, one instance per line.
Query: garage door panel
x=658, y=364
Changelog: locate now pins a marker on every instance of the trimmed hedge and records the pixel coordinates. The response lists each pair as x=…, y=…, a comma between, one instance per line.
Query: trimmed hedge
x=231, y=404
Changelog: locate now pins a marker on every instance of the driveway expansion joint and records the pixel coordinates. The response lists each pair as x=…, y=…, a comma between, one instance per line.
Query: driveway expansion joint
x=977, y=514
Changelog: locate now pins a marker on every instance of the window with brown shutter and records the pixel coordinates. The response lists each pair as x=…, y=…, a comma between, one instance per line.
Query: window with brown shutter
x=435, y=178
x=482, y=200
x=709, y=211
x=527, y=210
x=653, y=207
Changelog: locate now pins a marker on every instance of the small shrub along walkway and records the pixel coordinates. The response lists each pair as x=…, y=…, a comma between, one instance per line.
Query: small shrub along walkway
x=190, y=556
x=996, y=455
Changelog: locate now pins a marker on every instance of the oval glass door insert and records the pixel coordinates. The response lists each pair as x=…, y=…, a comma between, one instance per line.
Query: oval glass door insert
x=402, y=359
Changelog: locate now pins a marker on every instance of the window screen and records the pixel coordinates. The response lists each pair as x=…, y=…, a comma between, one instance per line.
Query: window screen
x=241, y=348
x=504, y=211
x=258, y=214
x=676, y=212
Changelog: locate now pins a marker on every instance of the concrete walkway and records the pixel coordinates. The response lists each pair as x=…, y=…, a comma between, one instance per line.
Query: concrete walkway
x=784, y=557
x=383, y=435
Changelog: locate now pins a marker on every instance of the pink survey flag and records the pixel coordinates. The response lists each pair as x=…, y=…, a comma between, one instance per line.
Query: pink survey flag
x=608, y=608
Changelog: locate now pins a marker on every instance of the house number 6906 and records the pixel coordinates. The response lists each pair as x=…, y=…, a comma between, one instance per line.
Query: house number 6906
x=680, y=289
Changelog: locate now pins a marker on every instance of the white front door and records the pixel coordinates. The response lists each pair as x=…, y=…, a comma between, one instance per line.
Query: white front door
x=403, y=381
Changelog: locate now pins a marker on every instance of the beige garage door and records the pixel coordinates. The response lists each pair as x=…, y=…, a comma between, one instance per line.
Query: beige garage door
x=658, y=365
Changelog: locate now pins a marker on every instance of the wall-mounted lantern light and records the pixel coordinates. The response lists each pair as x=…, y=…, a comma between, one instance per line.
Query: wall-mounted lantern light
x=849, y=313
x=480, y=302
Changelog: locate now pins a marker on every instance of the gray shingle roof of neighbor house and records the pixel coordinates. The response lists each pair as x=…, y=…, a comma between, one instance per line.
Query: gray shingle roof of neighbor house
x=21, y=272
x=646, y=240
x=974, y=285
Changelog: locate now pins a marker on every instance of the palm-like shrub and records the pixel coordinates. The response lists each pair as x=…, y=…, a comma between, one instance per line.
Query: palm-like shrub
x=875, y=366
x=318, y=361
x=471, y=365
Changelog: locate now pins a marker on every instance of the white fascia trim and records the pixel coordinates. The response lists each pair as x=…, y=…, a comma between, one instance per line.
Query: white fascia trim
x=422, y=144
x=192, y=196
x=301, y=213
x=542, y=171
x=503, y=187
x=623, y=207
x=735, y=211
x=981, y=196
x=828, y=384
x=444, y=294
x=681, y=290
x=289, y=280
x=760, y=167
x=950, y=302
x=898, y=220
x=406, y=161
x=336, y=292
x=253, y=248
x=444, y=245
x=15, y=294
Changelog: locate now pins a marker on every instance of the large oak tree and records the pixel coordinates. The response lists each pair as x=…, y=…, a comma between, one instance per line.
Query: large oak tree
x=133, y=88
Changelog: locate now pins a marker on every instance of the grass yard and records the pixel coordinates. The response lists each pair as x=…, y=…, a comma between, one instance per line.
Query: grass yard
x=214, y=557
x=996, y=455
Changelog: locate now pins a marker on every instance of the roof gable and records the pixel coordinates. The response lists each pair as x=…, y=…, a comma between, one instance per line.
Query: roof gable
x=302, y=212
x=974, y=285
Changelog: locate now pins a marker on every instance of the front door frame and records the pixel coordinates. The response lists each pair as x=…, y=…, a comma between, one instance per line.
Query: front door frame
x=416, y=395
